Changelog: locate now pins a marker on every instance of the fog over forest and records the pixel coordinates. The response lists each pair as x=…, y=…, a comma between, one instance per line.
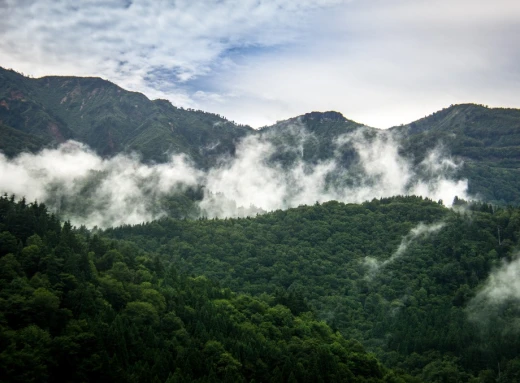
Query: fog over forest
x=124, y=190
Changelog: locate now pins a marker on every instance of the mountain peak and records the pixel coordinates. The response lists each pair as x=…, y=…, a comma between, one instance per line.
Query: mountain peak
x=324, y=116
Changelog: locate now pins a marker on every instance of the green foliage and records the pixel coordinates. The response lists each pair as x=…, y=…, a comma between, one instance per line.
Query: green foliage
x=37, y=112
x=81, y=307
x=412, y=311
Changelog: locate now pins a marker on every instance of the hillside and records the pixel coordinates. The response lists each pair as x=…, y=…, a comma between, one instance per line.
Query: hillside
x=430, y=290
x=486, y=139
x=80, y=307
x=463, y=142
x=109, y=119
x=286, y=296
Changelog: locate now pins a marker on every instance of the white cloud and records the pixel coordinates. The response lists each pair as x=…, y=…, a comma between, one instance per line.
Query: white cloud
x=503, y=284
x=500, y=293
x=384, y=63
x=103, y=192
x=249, y=180
x=142, y=45
x=93, y=191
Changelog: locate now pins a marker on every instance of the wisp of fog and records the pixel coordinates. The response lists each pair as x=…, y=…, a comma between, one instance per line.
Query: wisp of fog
x=422, y=230
x=502, y=286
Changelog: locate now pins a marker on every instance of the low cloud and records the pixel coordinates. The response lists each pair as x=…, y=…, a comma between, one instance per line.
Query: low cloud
x=81, y=186
x=495, y=308
x=89, y=190
x=502, y=285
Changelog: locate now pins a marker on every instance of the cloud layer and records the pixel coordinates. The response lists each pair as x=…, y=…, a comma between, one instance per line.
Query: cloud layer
x=379, y=62
x=81, y=186
x=89, y=190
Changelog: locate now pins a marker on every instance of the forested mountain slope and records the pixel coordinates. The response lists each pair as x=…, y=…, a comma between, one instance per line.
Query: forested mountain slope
x=109, y=119
x=407, y=277
x=311, y=137
x=486, y=139
x=80, y=307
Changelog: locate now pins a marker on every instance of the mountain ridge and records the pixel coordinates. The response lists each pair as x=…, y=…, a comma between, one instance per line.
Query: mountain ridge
x=110, y=119
x=43, y=112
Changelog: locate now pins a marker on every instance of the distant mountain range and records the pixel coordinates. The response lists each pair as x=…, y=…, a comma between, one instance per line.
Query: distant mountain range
x=43, y=112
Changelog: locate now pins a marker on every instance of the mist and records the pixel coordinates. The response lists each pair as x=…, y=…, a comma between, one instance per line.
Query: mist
x=420, y=231
x=502, y=286
x=86, y=189
x=89, y=190
x=253, y=182
x=495, y=309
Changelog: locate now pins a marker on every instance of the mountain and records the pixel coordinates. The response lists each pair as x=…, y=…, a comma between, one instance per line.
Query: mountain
x=314, y=135
x=50, y=110
x=294, y=294
x=37, y=113
x=486, y=139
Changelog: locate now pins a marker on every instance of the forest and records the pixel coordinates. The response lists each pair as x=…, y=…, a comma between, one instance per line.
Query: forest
x=78, y=306
x=399, y=289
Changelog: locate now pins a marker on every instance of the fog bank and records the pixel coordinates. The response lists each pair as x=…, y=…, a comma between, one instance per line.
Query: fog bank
x=93, y=191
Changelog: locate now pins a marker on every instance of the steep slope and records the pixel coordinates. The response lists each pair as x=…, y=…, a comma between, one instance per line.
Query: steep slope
x=486, y=139
x=110, y=119
x=14, y=141
x=22, y=111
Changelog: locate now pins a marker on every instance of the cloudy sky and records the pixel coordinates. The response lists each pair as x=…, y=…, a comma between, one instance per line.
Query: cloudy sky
x=379, y=62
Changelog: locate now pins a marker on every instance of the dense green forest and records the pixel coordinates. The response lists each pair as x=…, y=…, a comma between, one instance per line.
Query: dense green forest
x=400, y=275
x=78, y=306
x=295, y=295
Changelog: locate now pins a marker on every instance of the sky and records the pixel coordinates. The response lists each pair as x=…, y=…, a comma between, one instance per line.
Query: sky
x=378, y=62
